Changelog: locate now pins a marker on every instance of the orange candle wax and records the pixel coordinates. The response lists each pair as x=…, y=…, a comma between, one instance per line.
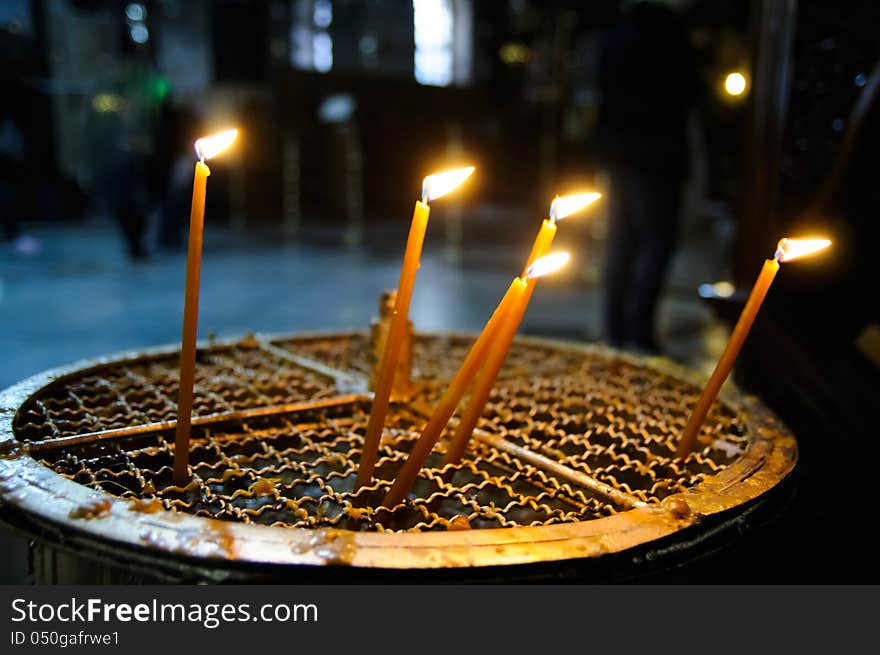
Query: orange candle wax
x=393, y=343
x=433, y=187
x=787, y=250
x=497, y=354
x=488, y=374
x=452, y=396
x=190, y=324
x=728, y=357
x=542, y=243
x=205, y=148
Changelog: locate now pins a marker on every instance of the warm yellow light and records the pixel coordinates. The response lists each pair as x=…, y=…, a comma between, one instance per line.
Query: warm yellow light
x=789, y=249
x=107, y=102
x=514, y=53
x=735, y=83
x=211, y=146
x=547, y=264
x=439, y=184
x=568, y=205
x=723, y=289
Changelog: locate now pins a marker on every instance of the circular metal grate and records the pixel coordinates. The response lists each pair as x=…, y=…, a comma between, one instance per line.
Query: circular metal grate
x=573, y=457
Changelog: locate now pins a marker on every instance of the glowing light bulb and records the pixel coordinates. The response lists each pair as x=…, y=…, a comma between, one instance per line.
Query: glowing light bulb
x=735, y=83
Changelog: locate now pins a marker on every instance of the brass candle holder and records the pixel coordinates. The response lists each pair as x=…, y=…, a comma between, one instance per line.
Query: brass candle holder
x=571, y=473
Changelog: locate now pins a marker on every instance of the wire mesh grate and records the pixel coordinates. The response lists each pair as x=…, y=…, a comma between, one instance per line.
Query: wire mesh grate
x=595, y=414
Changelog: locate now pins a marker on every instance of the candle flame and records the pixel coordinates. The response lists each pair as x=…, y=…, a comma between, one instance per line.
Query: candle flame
x=789, y=249
x=547, y=264
x=211, y=146
x=439, y=184
x=568, y=205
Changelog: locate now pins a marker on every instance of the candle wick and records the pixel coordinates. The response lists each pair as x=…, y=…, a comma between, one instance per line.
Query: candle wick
x=778, y=255
x=553, y=210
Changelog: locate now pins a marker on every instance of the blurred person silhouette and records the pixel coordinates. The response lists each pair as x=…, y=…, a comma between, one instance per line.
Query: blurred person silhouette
x=648, y=83
x=136, y=178
x=176, y=133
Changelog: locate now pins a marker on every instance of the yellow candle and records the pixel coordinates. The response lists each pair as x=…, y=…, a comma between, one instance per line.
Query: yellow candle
x=206, y=148
x=393, y=342
x=497, y=354
x=452, y=396
x=787, y=250
x=542, y=243
x=559, y=209
x=433, y=187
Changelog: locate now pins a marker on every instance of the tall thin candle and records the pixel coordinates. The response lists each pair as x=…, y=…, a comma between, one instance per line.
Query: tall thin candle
x=559, y=208
x=433, y=187
x=206, y=148
x=453, y=394
x=497, y=354
x=787, y=250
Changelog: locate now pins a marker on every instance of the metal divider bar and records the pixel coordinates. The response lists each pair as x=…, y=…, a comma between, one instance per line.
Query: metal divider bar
x=207, y=419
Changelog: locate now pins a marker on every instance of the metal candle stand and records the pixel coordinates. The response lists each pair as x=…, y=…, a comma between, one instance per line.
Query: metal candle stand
x=571, y=473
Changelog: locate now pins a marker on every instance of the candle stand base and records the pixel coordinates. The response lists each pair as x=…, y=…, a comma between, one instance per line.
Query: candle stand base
x=571, y=474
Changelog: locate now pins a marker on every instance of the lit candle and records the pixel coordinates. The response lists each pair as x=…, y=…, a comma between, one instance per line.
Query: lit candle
x=787, y=250
x=497, y=354
x=453, y=394
x=206, y=148
x=559, y=209
x=433, y=187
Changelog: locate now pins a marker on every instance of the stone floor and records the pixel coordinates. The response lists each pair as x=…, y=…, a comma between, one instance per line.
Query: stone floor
x=80, y=296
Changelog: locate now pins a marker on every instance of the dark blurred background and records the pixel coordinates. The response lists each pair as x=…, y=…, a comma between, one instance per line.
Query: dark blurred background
x=712, y=127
